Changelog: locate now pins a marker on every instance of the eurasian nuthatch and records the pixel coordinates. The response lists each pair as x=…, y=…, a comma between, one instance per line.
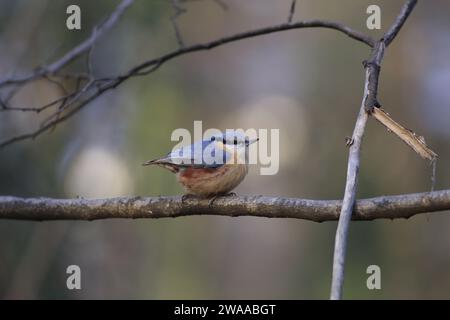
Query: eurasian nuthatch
x=209, y=168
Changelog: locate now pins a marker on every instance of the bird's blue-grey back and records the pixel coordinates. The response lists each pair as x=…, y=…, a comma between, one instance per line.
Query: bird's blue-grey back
x=202, y=154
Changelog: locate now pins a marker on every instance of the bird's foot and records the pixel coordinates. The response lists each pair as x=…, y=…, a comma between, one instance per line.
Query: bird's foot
x=211, y=201
x=349, y=141
x=185, y=197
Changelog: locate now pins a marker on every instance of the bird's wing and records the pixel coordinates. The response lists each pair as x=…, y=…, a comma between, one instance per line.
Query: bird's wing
x=201, y=154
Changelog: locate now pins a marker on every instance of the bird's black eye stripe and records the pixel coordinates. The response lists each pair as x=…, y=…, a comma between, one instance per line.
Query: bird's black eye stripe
x=224, y=141
x=213, y=138
x=235, y=140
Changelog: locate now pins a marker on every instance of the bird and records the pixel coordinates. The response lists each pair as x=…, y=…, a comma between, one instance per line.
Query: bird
x=211, y=167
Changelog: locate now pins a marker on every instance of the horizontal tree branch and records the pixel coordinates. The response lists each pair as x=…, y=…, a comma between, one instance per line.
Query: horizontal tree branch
x=385, y=207
x=354, y=34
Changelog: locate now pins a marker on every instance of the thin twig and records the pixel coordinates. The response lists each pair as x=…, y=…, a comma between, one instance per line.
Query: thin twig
x=291, y=11
x=89, y=57
x=399, y=21
x=417, y=143
x=68, y=102
x=57, y=84
x=386, y=207
x=3, y=104
x=43, y=107
x=60, y=118
x=75, y=52
x=152, y=65
x=356, y=35
x=178, y=12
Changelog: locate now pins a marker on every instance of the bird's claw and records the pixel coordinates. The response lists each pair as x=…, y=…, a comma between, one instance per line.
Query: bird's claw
x=185, y=197
x=211, y=201
x=348, y=141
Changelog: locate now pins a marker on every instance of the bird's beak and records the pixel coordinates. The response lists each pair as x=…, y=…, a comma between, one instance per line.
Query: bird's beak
x=253, y=141
x=149, y=162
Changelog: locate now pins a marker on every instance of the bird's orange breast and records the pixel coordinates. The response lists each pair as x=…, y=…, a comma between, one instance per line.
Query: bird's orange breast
x=212, y=181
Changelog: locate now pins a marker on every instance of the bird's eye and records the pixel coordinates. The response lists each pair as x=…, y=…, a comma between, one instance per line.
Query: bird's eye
x=235, y=141
x=213, y=138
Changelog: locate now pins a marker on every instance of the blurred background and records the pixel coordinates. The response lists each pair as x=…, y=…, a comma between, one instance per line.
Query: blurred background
x=307, y=83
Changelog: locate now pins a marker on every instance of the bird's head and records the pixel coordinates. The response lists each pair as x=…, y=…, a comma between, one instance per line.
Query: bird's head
x=234, y=142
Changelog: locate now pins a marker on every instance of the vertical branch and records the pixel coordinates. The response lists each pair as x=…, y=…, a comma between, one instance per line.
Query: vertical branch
x=340, y=246
x=369, y=102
